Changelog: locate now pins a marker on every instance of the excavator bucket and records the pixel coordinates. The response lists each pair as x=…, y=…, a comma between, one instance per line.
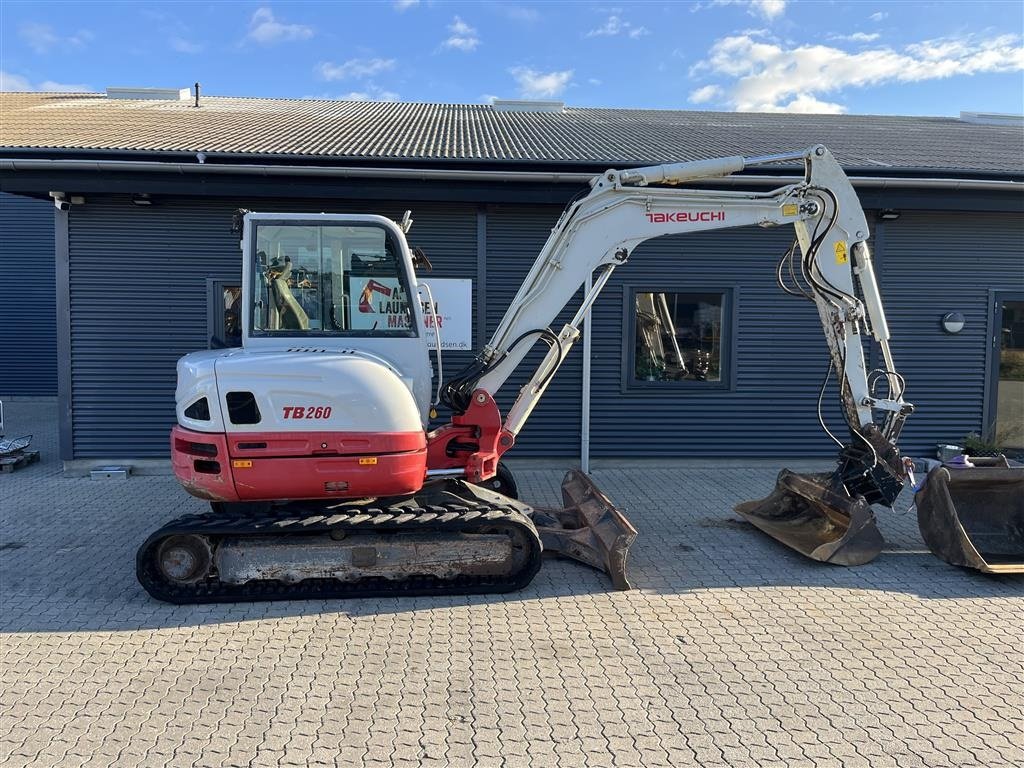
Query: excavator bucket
x=814, y=515
x=974, y=516
x=588, y=528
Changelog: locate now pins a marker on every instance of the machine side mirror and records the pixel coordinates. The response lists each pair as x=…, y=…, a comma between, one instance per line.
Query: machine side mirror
x=419, y=259
x=237, y=220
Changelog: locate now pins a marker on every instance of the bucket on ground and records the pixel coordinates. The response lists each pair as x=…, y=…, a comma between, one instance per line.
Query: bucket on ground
x=973, y=515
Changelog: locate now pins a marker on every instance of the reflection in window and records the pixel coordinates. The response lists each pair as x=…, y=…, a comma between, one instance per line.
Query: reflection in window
x=678, y=337
x=327, y=279
x=232, y=329
x=1010, y=386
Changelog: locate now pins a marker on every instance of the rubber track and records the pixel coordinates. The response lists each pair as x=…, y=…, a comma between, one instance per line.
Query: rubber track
x=465, y=517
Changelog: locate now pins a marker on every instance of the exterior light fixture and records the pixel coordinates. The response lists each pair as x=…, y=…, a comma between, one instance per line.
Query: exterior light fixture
x=953, y=322
x=142, y=198
x=888, y=214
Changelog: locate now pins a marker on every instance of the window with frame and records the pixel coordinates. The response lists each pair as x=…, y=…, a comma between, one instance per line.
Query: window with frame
x=223, y=313
x=678, y=338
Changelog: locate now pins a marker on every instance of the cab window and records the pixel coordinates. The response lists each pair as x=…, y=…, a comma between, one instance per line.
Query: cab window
x=328, y=279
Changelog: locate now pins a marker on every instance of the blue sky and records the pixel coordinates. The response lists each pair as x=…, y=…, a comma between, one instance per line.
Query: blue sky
x=865, y=57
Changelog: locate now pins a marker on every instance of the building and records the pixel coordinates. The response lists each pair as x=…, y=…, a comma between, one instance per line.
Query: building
x=147, y=183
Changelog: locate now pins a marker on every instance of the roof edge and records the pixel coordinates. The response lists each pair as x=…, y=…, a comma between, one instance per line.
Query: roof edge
x=479, y=167
x=442, y=174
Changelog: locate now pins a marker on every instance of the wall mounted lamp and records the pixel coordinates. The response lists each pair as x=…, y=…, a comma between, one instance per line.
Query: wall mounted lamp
x=953, y=322
x=888, y=214
x=142, y=198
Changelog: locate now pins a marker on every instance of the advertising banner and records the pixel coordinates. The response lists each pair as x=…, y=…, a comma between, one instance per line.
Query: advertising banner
x=380, y=303
x=453, y=305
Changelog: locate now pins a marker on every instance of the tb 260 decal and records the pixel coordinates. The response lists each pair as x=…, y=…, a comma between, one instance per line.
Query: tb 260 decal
x=302, y=412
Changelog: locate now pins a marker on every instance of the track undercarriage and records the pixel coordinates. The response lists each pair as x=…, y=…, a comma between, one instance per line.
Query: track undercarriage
x=450, y=538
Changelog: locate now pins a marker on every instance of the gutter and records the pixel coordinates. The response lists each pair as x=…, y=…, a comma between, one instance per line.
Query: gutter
x=440, y=174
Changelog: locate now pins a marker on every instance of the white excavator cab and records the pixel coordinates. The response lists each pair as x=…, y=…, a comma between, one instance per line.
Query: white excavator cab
x=334, y=281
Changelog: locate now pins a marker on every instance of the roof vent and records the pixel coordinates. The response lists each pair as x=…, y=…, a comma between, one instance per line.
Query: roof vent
x=991, y=118
x=525, y=105
x=153, y=94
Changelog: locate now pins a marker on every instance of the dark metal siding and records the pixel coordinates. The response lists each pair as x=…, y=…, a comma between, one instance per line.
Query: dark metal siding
x=28, y=324
x=780, y=357
x=933, y=264
x=515, y=235
x=138, y=301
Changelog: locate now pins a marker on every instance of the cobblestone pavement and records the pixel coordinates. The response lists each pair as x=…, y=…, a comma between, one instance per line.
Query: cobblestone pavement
x=732, y=651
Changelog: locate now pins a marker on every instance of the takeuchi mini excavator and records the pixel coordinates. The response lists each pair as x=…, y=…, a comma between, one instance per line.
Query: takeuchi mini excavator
x=312, y=443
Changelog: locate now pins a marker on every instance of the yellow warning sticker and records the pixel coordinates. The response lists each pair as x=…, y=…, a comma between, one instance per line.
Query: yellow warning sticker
x=841, y=257
x=241, y=463
x=790, y=209
x=367, y=461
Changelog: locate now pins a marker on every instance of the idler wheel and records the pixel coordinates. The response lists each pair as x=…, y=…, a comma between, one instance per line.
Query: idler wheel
x=185, y=559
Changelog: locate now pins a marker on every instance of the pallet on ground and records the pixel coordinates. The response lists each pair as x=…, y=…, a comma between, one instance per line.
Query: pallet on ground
x=23, y=459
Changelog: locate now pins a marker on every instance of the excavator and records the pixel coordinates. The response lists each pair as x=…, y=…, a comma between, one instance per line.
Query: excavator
x=312, y=441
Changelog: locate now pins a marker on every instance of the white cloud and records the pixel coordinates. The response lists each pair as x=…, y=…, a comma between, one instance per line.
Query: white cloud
x=594, y=81
x=54, y=87
x=878, y=16
x=17, y=83
x=41, y=38
x=264, y=28
x=371, y=93
x=540, y=85
x=615, y=25
x=462, y=36
x=12, y=82
x=404, y=5
x=806, y=104
x=767, y=9
x=354, y=68
x=705, y=94
x=767, y=77
x=860, y=37
x=181, y=45
x=611, y=27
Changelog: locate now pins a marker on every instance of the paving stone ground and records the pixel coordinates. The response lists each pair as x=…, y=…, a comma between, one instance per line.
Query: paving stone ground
x=731, y=651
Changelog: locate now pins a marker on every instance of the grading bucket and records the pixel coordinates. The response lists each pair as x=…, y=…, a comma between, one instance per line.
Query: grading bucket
x=814, y=515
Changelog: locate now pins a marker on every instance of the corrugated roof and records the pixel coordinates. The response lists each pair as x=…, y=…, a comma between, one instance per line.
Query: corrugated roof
x=360, y=131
